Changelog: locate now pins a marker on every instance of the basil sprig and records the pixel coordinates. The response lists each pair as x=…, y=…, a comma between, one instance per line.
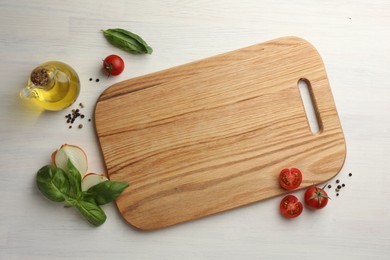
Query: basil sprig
x=59, y=185
x=127, y=41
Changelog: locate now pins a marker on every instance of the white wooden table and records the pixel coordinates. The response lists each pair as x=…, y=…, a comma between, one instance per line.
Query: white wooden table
x=353, y=39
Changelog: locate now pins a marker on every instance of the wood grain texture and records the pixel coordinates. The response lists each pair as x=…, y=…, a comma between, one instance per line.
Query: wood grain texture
x=213, y=135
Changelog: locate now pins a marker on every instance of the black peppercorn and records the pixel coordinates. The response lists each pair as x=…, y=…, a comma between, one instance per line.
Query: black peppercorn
x=72, y=117
x=350, y=174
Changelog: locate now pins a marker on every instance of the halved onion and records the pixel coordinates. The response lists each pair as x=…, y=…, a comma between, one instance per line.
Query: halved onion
x=73, y=153
x=92, y=179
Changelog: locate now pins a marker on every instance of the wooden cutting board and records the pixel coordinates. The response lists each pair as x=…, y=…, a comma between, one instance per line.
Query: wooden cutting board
x=213, y=135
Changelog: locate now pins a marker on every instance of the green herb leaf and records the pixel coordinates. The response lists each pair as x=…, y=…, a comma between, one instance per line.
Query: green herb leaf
x=74, y=177
x=61, y=185
x=91, y=212
x=106, y=192
x=53, y=183
x=127, y=41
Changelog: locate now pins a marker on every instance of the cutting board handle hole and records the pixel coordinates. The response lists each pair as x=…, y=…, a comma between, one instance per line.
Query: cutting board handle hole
x=308, y=102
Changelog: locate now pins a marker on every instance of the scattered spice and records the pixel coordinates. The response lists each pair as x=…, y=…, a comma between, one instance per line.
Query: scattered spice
x=339, y=186
x=76, y=113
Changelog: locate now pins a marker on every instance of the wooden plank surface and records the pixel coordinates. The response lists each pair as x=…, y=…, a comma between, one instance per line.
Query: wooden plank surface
x=213, y=135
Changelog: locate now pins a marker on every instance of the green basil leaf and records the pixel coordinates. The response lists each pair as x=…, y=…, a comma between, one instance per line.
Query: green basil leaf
x=127, y=41
x=91, y=212
x=53, y=183
x=106, y=192
x=74, y=177
x=136, y=39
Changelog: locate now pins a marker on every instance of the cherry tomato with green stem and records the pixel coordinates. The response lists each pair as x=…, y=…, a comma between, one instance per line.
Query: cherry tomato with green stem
x=316, y=198
x=113, y=65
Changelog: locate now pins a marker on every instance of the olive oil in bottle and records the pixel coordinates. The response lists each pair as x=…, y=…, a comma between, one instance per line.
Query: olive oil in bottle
x=53, y=86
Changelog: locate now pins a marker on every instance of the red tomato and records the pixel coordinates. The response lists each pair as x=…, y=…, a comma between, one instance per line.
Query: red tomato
x=316, y=198
x=113, y=65
x=291, y=207
x=290, y=179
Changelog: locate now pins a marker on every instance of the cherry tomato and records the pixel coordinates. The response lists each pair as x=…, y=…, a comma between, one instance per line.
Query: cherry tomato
x=290, y=179
x=316, y=198
x=291, y=207
x=113, y=65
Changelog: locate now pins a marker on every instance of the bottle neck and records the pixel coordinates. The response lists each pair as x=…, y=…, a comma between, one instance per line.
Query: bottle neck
x=43, y=77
